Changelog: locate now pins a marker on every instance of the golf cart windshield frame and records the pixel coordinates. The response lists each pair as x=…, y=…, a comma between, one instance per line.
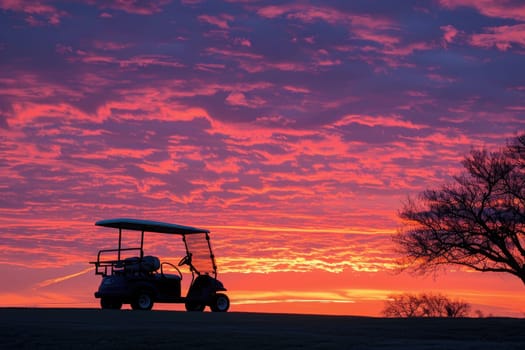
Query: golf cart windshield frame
x=149, y=226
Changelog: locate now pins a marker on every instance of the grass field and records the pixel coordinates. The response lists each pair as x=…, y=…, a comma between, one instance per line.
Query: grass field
x=107, y=329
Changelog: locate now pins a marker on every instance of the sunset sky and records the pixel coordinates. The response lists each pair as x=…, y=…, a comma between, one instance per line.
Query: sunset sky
x=293, y=130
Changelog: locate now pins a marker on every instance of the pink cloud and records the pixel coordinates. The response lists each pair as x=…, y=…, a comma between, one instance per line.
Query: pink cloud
x=237, y=99
x=370, y=21
x=449, y=33
x=310, y=40
x=243, y=42
x=286, y=66
x=516, y=108
x=220, y=21
x=191, y=2
x=149, y=7
x=274, y=10
x=385, y=33
x=296, y=89
x=38, y=13
x=408, y=49
x=231, y=53
x=274, y=120
x=441, y=78
x=151, y=60
x=322, y=59
x=26, y=87
x=242, y=133
x=362, y=26
x=131, y=62
x=492, y=8
x=110, y=46
x=310, y=14
x=449, y=140
x=389, y=47
x=23, y=113
x=210, y=67
x=375, y=36
x=328, y=62
x=503, y=37
x=373, y=121
x=63, y=49
x=221, y=166
x=161, y=111
x=254, y=63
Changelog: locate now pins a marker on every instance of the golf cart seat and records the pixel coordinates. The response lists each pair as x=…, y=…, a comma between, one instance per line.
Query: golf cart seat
x=148, y=264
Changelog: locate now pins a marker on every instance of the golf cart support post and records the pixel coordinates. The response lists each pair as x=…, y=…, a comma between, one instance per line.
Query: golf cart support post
x=140, y=279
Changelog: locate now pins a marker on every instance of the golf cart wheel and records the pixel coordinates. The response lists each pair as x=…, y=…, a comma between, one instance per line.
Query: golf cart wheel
x=142, y=301
x=194, y=306
x=220, y=303
x=110, y=303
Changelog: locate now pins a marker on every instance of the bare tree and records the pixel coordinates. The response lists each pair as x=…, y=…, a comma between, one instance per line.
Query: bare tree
x=403, y=305
x=424, y=305
x=457, y=308
x=478, y=221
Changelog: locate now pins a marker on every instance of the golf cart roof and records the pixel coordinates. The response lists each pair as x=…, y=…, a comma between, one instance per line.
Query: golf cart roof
x=149, y=226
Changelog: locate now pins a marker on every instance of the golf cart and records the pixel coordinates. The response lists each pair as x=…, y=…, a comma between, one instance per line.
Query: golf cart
x=130, y=277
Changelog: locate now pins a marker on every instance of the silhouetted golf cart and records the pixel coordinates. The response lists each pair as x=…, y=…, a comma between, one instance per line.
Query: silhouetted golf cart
x=130, y=277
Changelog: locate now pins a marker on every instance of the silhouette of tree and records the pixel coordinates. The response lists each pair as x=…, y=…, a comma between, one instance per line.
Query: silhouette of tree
x=424, y=305
x=477, y=221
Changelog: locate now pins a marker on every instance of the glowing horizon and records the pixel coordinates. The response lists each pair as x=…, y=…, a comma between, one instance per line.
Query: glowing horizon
x=293, y=130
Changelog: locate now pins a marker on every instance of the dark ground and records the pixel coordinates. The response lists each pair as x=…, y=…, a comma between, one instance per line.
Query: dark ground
x=107, y=329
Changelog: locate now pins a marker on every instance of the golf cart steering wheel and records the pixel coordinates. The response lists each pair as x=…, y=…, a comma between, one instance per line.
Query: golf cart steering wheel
x=185, y=260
